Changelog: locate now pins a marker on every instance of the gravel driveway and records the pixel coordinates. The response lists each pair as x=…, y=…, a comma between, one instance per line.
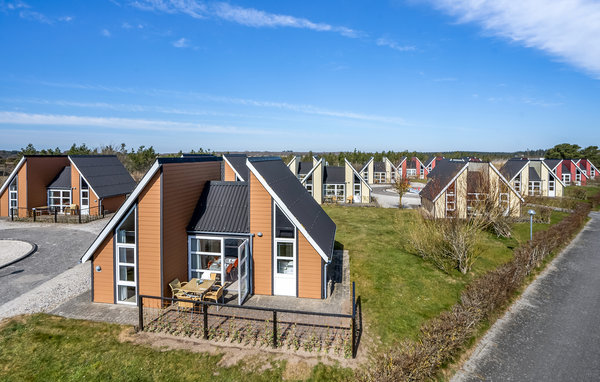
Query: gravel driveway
x=60, y=247
x=387, y=197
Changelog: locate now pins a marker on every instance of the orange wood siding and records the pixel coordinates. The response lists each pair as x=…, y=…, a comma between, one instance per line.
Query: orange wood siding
x=309, y=269
x=148, y=231
x=94, y=202
x=22, y=190
x=4, y=203
x=182, y=186
x=76, y=197
x=104, y=289
x=113, y=203
x=229, y=173
x=261, y=221
x=40, y=172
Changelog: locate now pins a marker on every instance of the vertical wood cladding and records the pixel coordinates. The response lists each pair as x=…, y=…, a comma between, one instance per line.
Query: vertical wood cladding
x=22, y=190
x=75, y=186
x=229, y=173
x=309, y=269
x=40, y=172
x=112, y=204
x=104, y=288
x=149, y=238
x=182, y=186
x=4, y=203
x=261, y=221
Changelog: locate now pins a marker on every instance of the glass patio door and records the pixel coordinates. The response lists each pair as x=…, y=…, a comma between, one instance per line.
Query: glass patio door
x=243, y=265
x=126, y=261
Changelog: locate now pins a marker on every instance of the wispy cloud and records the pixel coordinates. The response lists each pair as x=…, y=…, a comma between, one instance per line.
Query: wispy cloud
x=26, y=12
x=18, y=118
x=565, y=29
x=105, y=32
x=250, y=17
x=181, y=43
x=299, y=108
x=384, y=41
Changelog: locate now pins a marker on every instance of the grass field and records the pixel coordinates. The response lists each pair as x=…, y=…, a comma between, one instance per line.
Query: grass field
x=400, y=290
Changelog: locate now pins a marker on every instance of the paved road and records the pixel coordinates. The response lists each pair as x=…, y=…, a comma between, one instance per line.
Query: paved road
x=59, y=248
x=553, y=332
x=389, y=199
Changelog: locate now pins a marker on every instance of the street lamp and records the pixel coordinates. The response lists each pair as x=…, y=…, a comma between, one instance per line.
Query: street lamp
x=531, y=213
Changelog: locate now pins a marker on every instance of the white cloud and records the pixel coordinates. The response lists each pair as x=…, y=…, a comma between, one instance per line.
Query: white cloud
x=245, y=16
x=383, y=41
x=18, y=118
x=181, y=43
x=565, y=29
x=105, y=32
x=25, y=12
x=66, y=18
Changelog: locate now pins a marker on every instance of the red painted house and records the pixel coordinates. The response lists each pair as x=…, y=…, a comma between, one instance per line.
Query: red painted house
x=568, y=171
x=587, y=167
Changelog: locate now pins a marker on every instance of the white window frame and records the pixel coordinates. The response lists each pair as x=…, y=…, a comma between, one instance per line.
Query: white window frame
x=566, y=178
x=578, y=178
x=450, y=200
x=518, y=183
x=504, y=201
x=276, y=257
x=13, y=195
x=335, y=187
x=64, y=195
x=379, y=177
x=309, y=185
x=411, y=172
x=535, y=188
x=84, y=187
x=205, y=272
x=118, y=262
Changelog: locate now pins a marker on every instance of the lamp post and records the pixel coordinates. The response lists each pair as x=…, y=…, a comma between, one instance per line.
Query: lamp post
x=531, y=213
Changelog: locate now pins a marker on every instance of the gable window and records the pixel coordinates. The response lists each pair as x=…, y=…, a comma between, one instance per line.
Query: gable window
x=58, y=200
x=422, y=171
x=309, y=185
x=366, y=175
x=334, y=192
x=357, y=190
x=126, y=260
x=451, y=200
x=284, y=277
x=578, y=178
x=535, y=188
x=592, y=172
x=13, y=196
x=517, y=183
x=566, y=178
x=393, y=176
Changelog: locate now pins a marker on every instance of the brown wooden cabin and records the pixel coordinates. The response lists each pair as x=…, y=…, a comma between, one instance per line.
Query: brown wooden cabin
x=183, y=222
x=89, y=183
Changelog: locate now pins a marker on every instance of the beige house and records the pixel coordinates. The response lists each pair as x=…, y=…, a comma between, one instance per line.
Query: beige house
x=331, y=184
x=457, y=187
x=532, y=177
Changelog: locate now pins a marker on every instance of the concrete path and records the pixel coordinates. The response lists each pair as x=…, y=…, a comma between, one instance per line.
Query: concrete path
x=387, y=197
x=552, y=333
x=81, y=307
x=11, y=250
x=59, y=248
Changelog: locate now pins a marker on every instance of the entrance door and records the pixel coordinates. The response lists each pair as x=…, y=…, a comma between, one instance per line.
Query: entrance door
x=284, y=267
x=551, y=187
x=85, y=198
x=243, y=265
x=125, y=261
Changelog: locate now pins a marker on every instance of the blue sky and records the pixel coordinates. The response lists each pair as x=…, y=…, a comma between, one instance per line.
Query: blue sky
x=437, y=75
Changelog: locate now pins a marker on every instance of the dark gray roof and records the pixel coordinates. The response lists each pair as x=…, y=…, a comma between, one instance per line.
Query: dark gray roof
x=304, y=167
x=397, y=164
x=378, y=167
x=411, y=163
x=552, y=163
x=223, y=207
x=105, y=174
x=533, y=175
x=298, y=201
x=428, y=161
x=196, y=155
x=334, y=174
x=512, y=167
x=443, y=173
x=238, y=161
x=62, y=180
x=566, y=169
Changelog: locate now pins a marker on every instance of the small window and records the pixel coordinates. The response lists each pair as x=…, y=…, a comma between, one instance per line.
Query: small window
x=284, y=228
x=126, y=231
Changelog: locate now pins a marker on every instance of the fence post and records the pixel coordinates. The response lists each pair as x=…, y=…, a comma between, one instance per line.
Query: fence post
x=34, y=215
x=79, y=213
x=12, y=214
x=274, y=328
x=103, y=212
x=55, y=215
x=353, y=324
x=140, y=313
x=205, y=313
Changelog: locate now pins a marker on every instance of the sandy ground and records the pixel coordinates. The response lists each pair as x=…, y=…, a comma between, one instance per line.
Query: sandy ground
x=11, y=250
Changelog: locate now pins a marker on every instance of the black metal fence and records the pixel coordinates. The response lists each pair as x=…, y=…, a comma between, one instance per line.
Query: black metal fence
x=332, y=333
x=57, y=215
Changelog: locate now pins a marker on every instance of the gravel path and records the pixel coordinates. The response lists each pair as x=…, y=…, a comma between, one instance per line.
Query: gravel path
x=10, y=250
x=50, y=294
x=550, y=333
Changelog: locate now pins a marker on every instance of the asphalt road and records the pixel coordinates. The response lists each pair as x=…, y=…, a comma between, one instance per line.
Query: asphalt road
x=552, y=333
x=59, y=248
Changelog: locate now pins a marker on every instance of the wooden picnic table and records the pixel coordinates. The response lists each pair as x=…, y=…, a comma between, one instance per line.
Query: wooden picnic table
x=198, y=289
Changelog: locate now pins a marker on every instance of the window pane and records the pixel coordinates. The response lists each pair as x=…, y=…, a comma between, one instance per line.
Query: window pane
x=126, y=273
x=126, y=293
x=195, y=260
x=285, y=267
x=212, y=246
x=285, y=249
x=194, y=245
x=126, y=231
x=127, y=255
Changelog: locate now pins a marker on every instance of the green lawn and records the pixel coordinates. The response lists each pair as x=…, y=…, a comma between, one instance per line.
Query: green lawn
x=400, y=290
x=48, y=348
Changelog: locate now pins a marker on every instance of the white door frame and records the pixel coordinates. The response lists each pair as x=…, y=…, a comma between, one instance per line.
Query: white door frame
x=86, y=210
x=284, y=285
x=118, y=263
x=13, y=195
x=243, y=279
x=551, y=187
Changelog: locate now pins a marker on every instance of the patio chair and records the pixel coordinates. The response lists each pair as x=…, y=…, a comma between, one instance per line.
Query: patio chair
x=176, y=286
x=214, y=295
x=216, y=277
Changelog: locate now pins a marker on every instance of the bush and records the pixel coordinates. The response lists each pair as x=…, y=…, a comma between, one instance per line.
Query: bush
x=577, y=192
x=442, y=338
